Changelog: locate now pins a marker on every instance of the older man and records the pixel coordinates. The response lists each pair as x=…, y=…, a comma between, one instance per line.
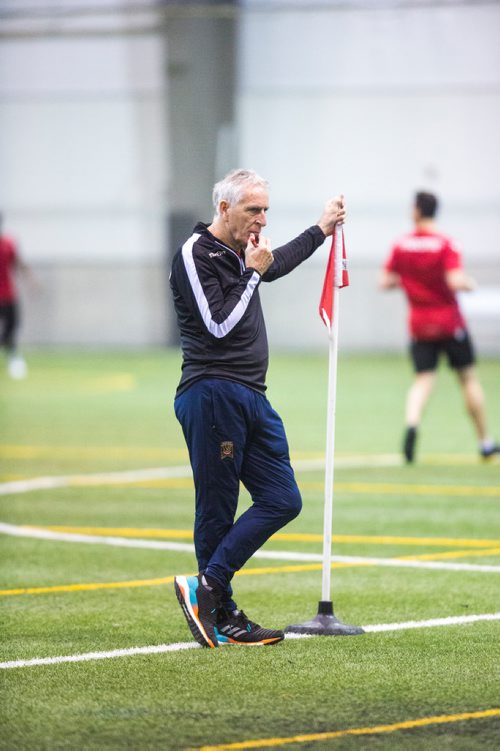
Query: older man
x=232, y=432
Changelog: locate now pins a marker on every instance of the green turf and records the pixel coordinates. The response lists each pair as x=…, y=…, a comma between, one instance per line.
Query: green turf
x=80, y=413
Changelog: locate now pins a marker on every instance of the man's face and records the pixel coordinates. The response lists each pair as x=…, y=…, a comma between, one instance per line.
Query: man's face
x=247, y=217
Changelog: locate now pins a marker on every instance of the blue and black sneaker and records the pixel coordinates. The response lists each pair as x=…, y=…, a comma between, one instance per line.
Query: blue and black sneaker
x=200, y=606
x=235, y=628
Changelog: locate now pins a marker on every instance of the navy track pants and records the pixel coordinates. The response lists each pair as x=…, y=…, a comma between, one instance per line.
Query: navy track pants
x=233, y=434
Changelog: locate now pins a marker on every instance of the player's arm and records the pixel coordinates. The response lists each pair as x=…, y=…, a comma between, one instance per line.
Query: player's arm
x=388, y=276
x=454, y=274
x=22, y=267
x=201, y=290
x=458, y=281
x=334, y=213
x=287, y=257
x=388, y=279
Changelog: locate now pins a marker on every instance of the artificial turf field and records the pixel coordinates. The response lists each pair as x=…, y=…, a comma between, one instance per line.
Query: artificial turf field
x=434, y=528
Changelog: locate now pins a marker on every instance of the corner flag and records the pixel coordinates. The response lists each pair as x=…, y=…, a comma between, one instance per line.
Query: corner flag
x=325, y=623
x=336, y=276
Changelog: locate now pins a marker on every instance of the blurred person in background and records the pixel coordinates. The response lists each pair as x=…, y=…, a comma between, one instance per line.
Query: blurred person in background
x=232, y=432
x=10, y=265
x=427, y=265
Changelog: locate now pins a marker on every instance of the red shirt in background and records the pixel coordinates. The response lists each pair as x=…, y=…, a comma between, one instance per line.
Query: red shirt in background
x=8, y=261
x=421, y=259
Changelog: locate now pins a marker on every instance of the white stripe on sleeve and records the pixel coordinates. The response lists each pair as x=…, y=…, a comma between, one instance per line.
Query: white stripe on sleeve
x=219, y=330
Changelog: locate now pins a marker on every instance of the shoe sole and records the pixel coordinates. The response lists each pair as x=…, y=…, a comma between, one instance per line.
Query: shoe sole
x=191, y=613
x=262, y=643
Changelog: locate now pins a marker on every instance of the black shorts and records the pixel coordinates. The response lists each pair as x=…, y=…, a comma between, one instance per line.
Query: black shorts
x=458, y=349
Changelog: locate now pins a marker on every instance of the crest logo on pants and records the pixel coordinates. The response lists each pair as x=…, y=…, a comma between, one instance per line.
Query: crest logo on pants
x=227, y=450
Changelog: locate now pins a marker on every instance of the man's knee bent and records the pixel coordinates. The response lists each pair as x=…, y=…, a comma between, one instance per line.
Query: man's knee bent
x=291, y=504
x=282, y=505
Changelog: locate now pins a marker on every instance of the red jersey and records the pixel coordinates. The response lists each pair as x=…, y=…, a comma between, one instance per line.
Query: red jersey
x=8, y=260
x=422, y=259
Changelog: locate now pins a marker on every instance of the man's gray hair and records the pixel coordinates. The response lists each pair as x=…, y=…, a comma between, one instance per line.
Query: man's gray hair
x=233, y=185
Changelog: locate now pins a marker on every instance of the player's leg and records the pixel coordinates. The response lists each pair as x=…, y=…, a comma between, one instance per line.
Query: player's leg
x=473, y=395
x=424, y=356
x=16, y=365
x=418, y=396
x=214, y=425
x=269, y=477
x=461, y=357
x=215, y=432
x=3, y=325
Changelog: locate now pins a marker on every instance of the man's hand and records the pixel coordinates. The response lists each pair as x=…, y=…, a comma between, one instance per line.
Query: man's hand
x=333, y=213
x=258, y=254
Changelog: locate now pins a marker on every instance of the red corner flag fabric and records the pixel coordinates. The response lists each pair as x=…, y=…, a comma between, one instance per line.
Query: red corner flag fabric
x=332, y=279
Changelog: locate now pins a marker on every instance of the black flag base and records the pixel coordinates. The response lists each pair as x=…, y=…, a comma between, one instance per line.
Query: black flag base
x=324, y=624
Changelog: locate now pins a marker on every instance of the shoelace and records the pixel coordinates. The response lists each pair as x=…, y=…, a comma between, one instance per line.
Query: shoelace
x=237, y=617
x=242, y=620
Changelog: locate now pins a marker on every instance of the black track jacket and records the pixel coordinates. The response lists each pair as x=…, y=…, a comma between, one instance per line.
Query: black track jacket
x=218, y=308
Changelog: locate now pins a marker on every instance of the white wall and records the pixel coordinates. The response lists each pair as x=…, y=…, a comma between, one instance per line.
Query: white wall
x=366, y=98
x=84, y=182
x=376, y=104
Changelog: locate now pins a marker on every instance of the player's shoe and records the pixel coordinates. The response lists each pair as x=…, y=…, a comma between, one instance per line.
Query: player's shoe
x=17, y=367
x=236, y=628
x=488, y=451
x=409, y=442
x=200, y=606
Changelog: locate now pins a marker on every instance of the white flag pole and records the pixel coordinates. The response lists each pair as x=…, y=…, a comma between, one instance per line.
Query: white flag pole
x=325, y=623
x=333, y=338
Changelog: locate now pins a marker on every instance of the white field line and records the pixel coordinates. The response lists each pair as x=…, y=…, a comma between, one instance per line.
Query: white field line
x=350, y=461
x=99, y=478
x=460, y=620
x=167, y=473
x=280, y=555
x=125, y=542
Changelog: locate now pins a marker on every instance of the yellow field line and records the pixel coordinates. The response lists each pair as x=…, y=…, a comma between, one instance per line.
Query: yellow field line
x=408, y=488
x=375, y=730
x=417, y=541
x=187, y=534
x=257, y=571
x=17, y=451
x=8, y=451
x=183, y=533
x=86, y=587
x=292, y=568
x=173, y=483
x=490, y=491
x=166, y=579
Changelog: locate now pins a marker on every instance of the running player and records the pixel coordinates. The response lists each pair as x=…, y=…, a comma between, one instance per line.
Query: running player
x=428, y=266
